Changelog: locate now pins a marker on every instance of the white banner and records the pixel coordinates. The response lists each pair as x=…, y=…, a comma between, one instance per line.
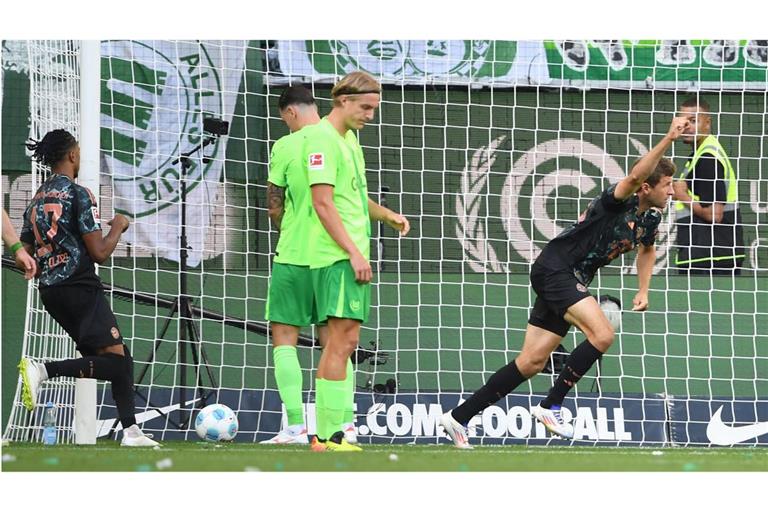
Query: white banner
x=154, y=97
x=500, y=63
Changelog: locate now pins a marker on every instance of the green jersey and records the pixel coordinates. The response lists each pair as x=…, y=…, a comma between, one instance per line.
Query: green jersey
x=287, y=170
x=335, y=160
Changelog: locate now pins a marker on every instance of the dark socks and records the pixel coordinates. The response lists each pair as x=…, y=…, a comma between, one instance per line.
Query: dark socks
x=105, y=367
x=122, y=392
x=112, y=367
x=498, y=386
x=578, y=363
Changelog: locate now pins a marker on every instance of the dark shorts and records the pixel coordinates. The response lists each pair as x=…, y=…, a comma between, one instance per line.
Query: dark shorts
x=556, y=291
x=83, y=311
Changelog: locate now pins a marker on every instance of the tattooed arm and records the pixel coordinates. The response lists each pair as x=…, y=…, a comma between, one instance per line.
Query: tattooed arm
x=276, y=202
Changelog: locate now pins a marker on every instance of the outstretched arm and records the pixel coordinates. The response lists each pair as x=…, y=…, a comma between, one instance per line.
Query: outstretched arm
x=387, y=216
x=645, y=166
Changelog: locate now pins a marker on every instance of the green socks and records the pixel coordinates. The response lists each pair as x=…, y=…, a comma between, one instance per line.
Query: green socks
x=321, y=421
x=333, y=403
x=289, y=382
x=349, y=411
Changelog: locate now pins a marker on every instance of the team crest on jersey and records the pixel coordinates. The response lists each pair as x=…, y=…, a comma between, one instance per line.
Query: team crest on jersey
x=316, y=162
x=115, y=332
x=581, y=288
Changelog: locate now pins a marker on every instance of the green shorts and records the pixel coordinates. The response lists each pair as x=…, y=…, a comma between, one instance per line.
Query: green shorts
x=290, y=299
x=337, y=294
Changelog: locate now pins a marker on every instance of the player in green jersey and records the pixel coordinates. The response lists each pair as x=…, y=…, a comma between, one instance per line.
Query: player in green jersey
x=290, y=303
x=340, y=260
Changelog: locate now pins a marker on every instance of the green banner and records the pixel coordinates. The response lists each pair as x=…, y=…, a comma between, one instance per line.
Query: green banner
x=648, y=64
x=643, y=64
x=411, y=61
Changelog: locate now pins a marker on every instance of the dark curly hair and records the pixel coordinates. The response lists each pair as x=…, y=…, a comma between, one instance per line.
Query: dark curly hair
x=52, y=148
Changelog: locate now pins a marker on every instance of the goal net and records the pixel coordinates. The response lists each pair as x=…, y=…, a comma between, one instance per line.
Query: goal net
x=54, y=102
x=491, y=148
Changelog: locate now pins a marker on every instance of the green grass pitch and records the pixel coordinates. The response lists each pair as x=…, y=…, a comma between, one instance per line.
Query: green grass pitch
x=200, y=456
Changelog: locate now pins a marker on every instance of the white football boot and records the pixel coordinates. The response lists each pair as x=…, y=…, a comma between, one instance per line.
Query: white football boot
x=552, y=419
x=32, y=374
x=133, y=437
x=290, y=435
x=456, y=431
x=350, y=433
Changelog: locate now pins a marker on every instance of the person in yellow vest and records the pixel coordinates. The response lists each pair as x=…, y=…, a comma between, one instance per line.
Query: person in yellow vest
x=710, y=239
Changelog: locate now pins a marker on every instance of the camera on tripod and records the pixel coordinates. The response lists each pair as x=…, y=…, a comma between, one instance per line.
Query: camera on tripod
x=215, y=126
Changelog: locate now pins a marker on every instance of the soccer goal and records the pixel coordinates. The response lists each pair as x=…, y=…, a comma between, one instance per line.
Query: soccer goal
x=491, y=148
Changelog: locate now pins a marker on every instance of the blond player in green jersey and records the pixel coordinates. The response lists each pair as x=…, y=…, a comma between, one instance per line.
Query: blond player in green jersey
x=290, y=302
x=340, y=258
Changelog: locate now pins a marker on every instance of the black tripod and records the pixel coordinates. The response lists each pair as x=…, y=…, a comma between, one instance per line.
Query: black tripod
x=189, y=337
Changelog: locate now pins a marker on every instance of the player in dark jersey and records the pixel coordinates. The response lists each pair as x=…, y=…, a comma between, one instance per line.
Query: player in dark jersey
x=623, y=217
x=61, y=230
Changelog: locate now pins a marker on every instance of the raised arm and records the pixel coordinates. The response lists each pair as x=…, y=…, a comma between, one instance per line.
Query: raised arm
x=645, y=166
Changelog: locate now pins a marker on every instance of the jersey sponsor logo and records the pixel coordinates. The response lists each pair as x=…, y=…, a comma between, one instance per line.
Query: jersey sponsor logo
x=55, y=261
x=316, y=162
x=95, y=215
x=724, y=435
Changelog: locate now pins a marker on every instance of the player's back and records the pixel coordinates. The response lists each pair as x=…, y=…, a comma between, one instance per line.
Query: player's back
x=288, y=170
x=60, y=213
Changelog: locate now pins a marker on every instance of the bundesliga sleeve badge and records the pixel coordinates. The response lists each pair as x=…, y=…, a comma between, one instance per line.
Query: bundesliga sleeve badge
x=316, y=162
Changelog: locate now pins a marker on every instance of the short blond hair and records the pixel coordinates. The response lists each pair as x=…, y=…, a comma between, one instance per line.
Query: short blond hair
x=357, y=82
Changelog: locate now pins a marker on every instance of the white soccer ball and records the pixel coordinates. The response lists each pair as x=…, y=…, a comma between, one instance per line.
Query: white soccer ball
x=216, y=422
x=612, y=312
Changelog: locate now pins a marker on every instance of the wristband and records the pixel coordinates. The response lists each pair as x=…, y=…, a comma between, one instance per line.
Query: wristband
x=15, y=247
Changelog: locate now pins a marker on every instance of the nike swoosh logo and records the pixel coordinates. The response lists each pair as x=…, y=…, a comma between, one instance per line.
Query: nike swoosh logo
x=104, y=426
x=723, y=435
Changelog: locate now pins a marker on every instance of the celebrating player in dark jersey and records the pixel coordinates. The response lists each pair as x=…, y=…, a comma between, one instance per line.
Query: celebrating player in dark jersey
x=623, y=217
x=61, y=230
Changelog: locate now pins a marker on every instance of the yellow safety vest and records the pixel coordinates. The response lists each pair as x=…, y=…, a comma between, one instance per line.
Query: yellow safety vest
x=710, y=146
